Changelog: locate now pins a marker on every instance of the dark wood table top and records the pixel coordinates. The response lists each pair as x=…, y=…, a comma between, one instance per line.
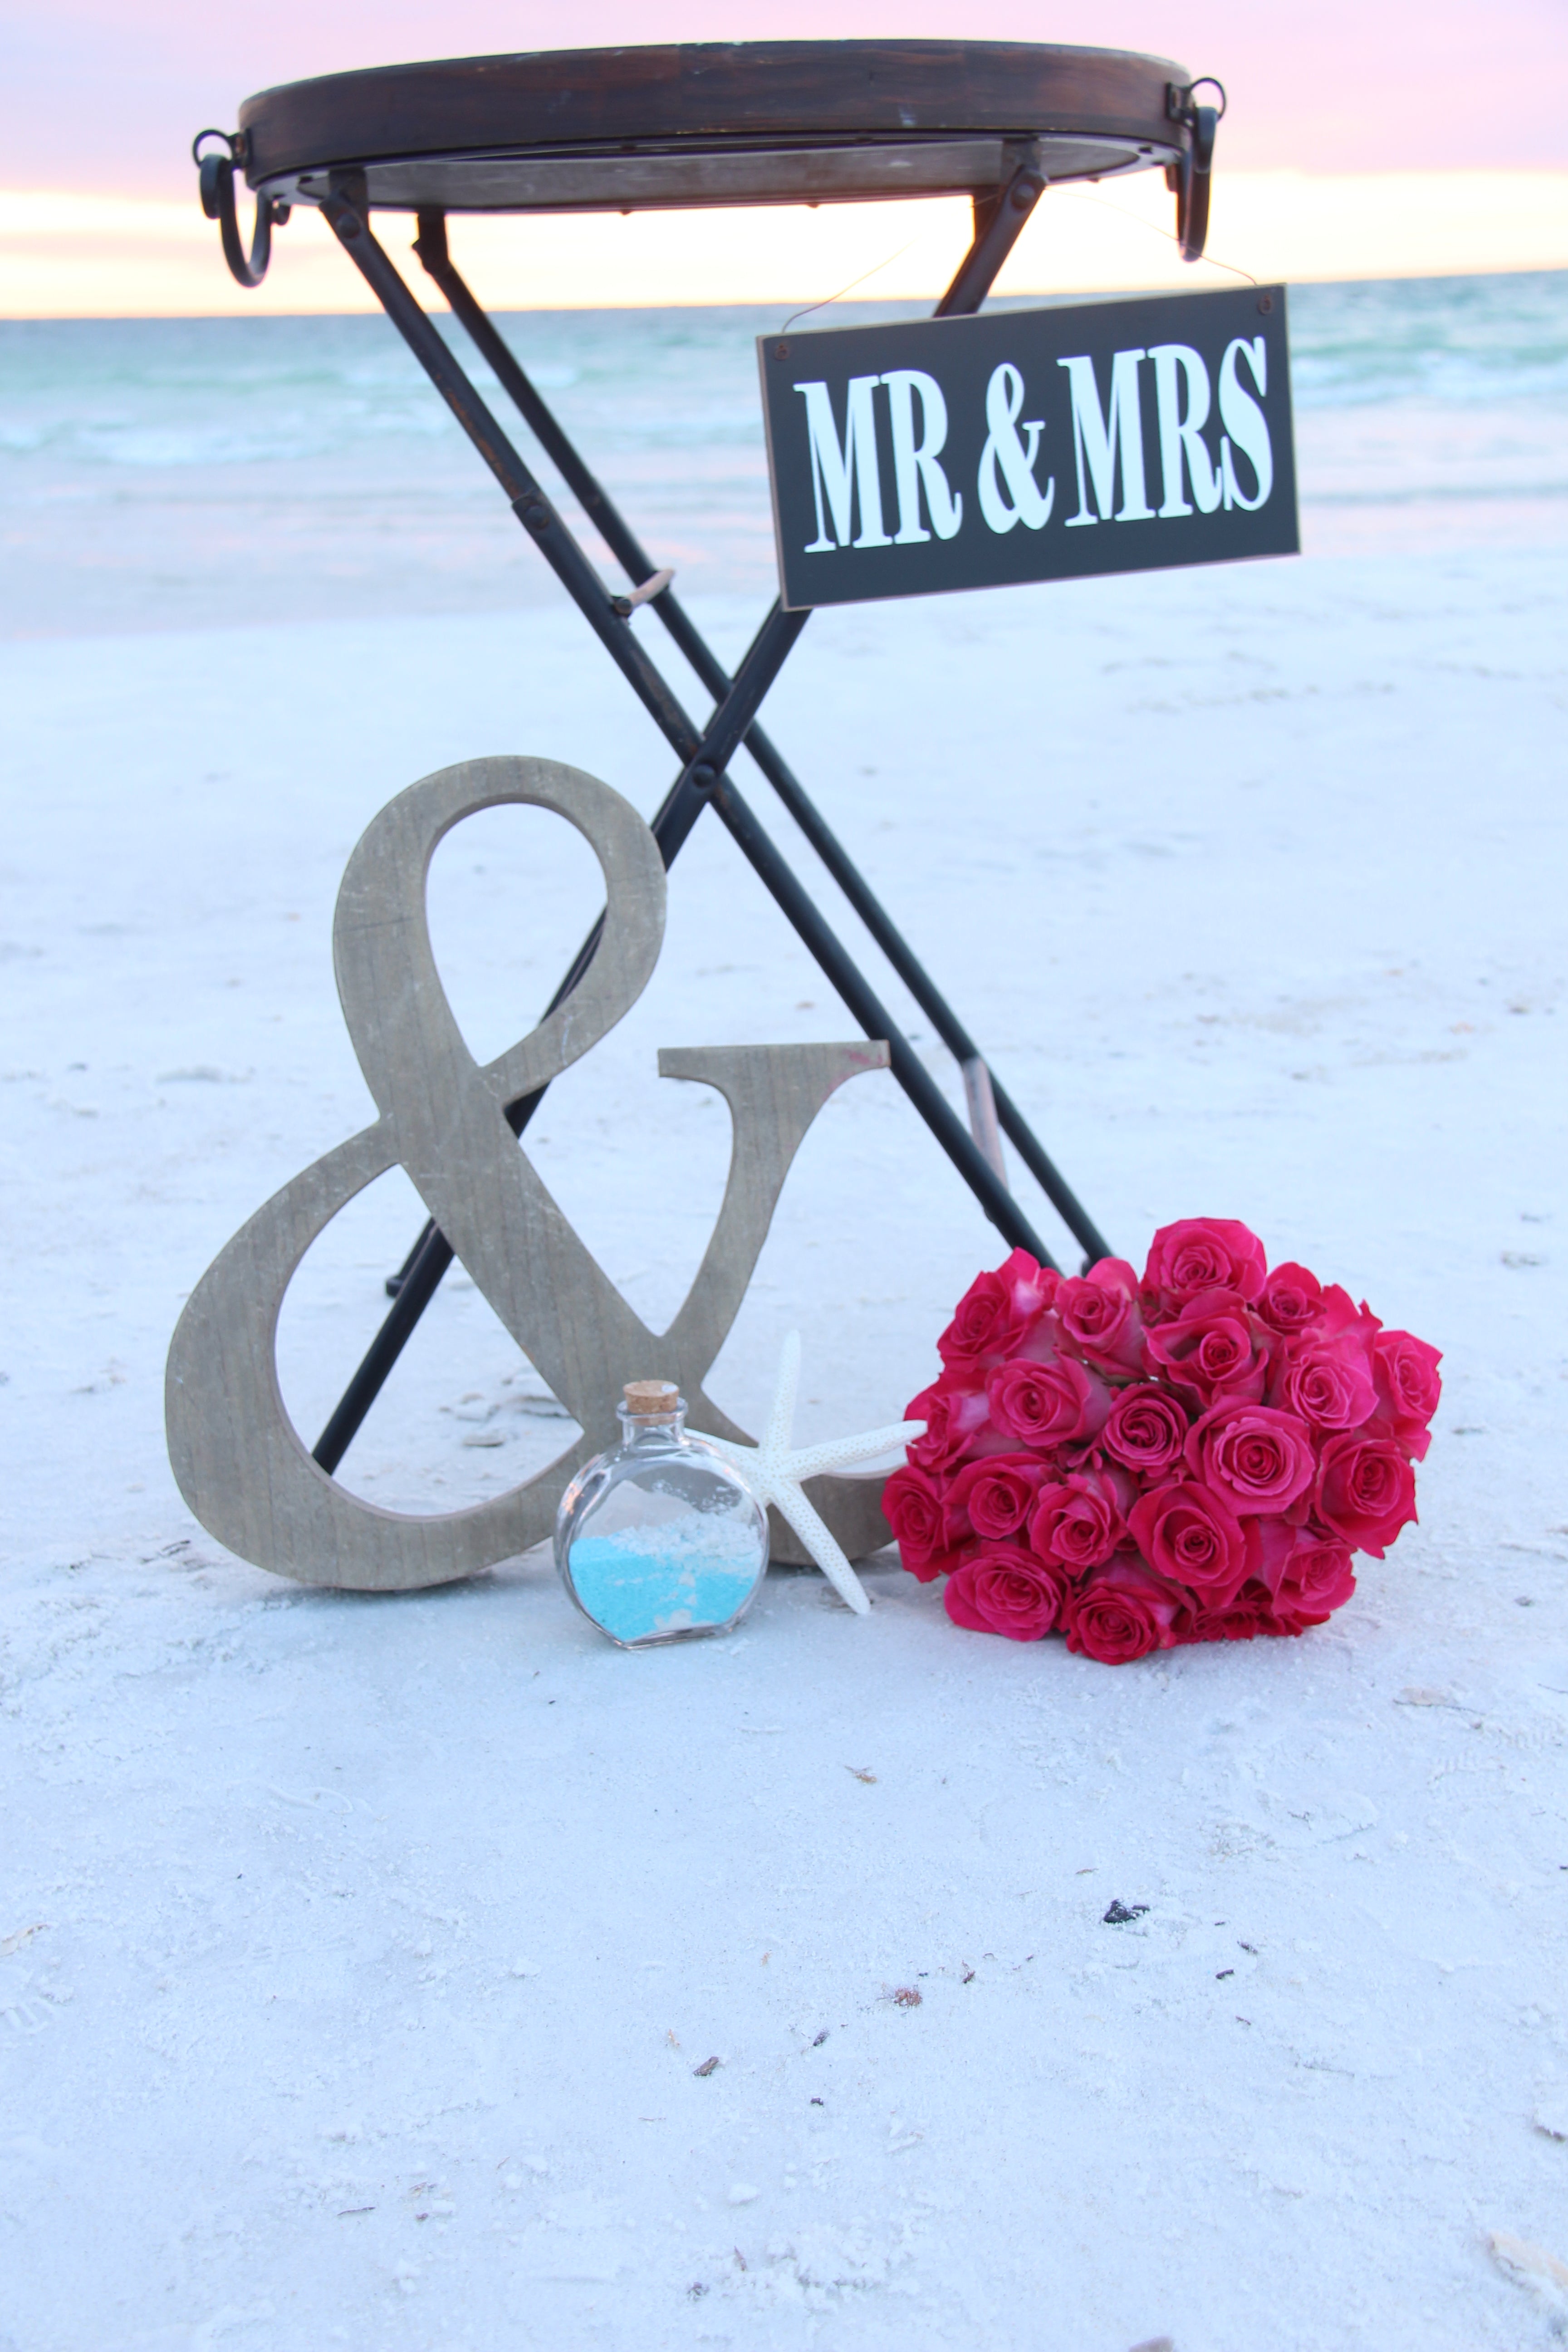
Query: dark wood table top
x=713, y=123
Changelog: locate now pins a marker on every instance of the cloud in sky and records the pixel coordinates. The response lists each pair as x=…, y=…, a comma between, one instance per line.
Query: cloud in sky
x=1364, y=137
x=97, y=96
x=96, y=256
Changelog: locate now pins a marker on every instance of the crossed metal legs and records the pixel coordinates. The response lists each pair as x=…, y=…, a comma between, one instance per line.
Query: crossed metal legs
x=705, y=753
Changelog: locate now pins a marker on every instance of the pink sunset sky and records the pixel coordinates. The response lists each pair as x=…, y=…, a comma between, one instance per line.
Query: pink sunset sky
x=102, y=96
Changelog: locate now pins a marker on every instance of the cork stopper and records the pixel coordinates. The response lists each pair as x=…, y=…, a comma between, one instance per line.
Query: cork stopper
x=651, y=1399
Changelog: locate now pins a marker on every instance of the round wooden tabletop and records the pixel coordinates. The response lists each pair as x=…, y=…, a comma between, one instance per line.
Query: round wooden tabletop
x=754, y=122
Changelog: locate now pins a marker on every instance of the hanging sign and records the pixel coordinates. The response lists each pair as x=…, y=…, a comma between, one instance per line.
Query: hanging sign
x=1030, y=444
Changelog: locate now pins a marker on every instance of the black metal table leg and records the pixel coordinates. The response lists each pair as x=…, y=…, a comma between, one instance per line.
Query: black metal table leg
x=706, y=757
x=350, y=222
x=703, y=778
x=966, y=293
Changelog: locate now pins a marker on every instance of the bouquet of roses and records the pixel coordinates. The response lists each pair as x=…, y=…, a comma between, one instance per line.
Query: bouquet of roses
x=1192, y=1457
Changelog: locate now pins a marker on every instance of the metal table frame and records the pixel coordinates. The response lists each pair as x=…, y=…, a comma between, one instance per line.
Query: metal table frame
x=705, y=751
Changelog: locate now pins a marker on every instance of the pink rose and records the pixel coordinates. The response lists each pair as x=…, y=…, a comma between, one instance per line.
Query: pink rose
x=956, y=1422
x=912, y=1506
x=1286, y=1622
x=1331, y=1386
x=1046, y=1404
x=1002, y=1590
x=1124, y=1612
x=1409, y=1388
x=1366, y=1491
x=1248, y=1615
x=1342, y=1317
x=1202, y=1253
x=1213, y=1349
x=1291, y=1301
x=1273, y=1542
x=1146, y=1430
x=1318, y=1580
x=1077, y=1520
x=993, y=1497
x=1259, y=1459
x=1189, y=1534
x=1306, y=1574
x=996, y=1314
x=1098, y=1316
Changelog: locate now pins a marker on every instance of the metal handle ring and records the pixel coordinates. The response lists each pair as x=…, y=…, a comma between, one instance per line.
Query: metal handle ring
x=1191, y=177
x=217, y=202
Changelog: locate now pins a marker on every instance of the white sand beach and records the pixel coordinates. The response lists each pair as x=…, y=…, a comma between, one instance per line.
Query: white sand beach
x=361, y=1959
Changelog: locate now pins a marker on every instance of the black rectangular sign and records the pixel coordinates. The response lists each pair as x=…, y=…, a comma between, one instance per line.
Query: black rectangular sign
x=1030, y=444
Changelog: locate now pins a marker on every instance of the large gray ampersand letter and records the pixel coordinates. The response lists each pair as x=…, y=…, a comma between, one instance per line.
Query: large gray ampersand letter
x=241, y=1464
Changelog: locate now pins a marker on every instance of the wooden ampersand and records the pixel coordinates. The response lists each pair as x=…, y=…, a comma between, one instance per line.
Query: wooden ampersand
x=241, y=1464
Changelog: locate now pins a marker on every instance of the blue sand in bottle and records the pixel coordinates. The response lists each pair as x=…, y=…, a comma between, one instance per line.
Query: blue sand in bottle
x=667, y=1579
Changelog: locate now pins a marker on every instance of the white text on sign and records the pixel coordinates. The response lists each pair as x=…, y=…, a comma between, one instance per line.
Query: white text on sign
x=1108, y=441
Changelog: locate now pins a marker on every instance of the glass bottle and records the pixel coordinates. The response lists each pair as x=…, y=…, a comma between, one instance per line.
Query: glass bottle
x=659, y=1539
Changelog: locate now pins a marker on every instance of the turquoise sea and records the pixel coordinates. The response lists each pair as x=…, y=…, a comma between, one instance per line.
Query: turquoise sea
x=158, y=473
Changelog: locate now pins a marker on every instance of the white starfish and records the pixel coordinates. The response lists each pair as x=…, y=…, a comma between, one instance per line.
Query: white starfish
x=778, y=1472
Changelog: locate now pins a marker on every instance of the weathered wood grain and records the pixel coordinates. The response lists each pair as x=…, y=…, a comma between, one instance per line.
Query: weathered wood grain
x=795, y=106
x=241, y=1465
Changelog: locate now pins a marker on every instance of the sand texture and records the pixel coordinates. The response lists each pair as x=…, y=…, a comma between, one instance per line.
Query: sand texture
x=361, y=1960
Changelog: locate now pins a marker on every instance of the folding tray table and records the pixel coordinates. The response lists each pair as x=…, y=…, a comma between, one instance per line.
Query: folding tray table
x=671, y=128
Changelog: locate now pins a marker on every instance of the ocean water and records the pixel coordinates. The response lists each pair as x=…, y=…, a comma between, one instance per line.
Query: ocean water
x=171, y=473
